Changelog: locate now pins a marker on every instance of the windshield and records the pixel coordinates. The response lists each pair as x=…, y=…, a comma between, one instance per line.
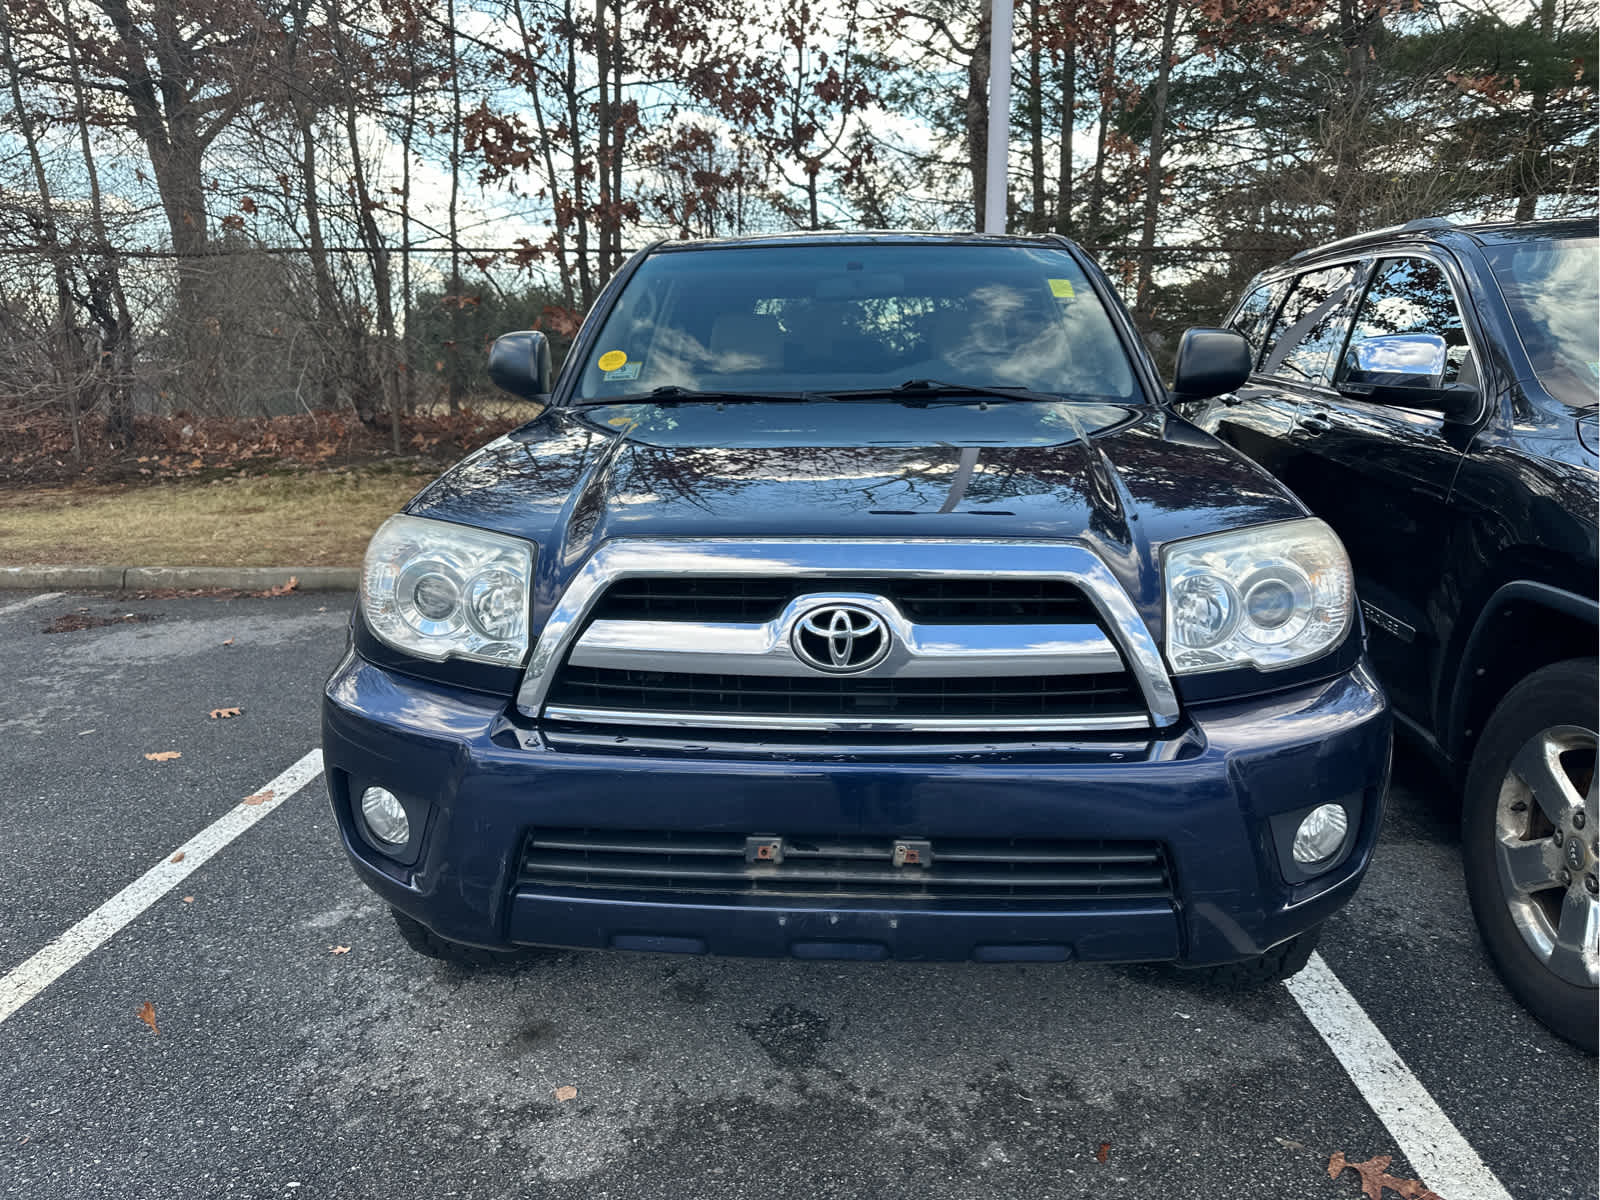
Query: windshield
x=1552, y=287
x=824, y=319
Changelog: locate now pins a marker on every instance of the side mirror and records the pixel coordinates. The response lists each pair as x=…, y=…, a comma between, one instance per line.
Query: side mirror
x=519, y=363
x=1406, y=369
x=1210, y=362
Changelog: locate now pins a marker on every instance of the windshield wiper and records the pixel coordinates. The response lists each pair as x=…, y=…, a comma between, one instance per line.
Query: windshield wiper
x=916, y=389
x=672, y=393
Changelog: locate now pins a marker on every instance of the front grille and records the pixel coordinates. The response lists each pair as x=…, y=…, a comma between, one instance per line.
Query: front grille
x=1053, y=696
x=964, y=601
x=991, y=870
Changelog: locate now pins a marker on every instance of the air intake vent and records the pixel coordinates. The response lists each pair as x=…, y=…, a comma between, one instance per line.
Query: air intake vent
x=964, y=601
x=992, y=871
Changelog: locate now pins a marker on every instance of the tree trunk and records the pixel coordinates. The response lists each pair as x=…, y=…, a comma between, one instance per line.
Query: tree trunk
x=67, y=355
x=172, y=140
x=1144, y=300
x=1528, y=183
x=560, y=223
x=455, y=385
x=1092, y=226
x=407, y=132
x=1351, y=207
x=977, y=116
x=371, y=238
x=328, y=322
x=1038, y=221
x=1069, y=113
x=110, y=301
x=575, y=135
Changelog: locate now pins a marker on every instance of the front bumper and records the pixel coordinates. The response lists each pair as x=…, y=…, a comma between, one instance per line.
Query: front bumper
x=476, y=783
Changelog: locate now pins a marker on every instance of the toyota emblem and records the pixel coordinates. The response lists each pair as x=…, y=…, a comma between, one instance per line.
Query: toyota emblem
x=839, y=638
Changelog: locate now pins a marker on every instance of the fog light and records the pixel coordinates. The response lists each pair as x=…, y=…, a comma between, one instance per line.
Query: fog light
x=1321, y=834
x=386, y=819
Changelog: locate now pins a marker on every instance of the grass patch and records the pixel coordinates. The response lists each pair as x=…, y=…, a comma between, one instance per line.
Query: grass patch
x=301, y=519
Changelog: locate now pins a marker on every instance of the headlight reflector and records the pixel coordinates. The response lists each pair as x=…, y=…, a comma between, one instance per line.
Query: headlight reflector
x=438, y=591
x=1270, y=597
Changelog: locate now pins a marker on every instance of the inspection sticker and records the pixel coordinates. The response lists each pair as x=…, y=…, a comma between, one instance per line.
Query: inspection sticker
x=1061, y=289
x=612, y=359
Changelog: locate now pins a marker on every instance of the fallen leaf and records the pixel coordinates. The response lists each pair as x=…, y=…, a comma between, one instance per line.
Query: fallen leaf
x=178, y=857
x=258, y=798
x=1375, y=1177
x=1289, y=1143
x=564, y=1093
x=1103, y=1153
x=188, y=899
x=147, y=1014
x=164, y=755
x=229, y=642
x=338, y=949
x=222, y=714
x=282, y=589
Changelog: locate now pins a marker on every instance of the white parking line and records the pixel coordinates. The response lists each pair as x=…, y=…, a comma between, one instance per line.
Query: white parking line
x=72, y=947
x=1430, y=1142
x=19, y=605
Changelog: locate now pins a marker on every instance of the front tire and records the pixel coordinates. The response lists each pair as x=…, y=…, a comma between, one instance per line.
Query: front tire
x=1274, y=966
x=1529, y=847
x=430, y=945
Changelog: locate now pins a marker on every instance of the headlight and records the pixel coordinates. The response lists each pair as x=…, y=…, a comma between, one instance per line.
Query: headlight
x=1271, y=597
x=439, y=591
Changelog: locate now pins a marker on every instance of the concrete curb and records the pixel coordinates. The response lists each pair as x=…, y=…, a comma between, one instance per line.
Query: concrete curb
x=244, y=579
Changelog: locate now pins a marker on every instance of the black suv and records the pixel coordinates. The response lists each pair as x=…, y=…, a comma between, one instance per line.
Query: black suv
x=1430, y=392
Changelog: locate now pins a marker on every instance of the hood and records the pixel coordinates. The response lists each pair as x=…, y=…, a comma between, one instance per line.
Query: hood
x=1123, y=479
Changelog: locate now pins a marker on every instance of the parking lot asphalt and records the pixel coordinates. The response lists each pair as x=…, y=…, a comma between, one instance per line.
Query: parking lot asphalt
x=283, y=1064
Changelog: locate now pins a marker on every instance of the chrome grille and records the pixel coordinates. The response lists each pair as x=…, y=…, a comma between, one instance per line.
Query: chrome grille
x=1001, y=638
x=973, y=870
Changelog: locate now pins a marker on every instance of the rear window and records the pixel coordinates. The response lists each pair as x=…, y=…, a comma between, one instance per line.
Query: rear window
x=1552, y=287
x=835, y=317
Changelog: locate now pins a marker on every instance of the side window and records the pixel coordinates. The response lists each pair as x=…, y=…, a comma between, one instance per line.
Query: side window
x=1255, y=313
x=1412, y=295
x=1310, y=327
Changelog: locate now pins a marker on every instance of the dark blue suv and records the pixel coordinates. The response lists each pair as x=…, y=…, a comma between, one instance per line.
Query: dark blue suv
x=860, y=597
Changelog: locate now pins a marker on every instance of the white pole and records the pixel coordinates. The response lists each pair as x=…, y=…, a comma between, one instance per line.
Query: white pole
x=994, y=194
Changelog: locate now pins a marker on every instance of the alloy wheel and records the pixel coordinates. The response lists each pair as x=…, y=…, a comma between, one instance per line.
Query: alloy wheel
x=1546, y=850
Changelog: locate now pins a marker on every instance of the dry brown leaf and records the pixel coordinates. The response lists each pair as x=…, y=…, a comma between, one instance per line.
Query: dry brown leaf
x=178, y=857
x=565, y=1093
x=188, y=899
x=229, y=642
x=1375, y=1177
x=258, y=798
x=147, y=1014
x=164, y=755
x=338, y=949
x=222, y=714
x=282, y=589
x=1103, y=1153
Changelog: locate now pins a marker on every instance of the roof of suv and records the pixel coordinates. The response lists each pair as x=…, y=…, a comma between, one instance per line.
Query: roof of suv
x=816, y=237
x=1437, y=229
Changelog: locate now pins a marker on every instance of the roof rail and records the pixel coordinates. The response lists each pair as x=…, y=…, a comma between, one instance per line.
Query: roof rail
x=1408, y=227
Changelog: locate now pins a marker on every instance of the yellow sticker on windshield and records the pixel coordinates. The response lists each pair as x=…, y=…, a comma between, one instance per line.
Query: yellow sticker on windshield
x=612, y=359
x=1061, y=289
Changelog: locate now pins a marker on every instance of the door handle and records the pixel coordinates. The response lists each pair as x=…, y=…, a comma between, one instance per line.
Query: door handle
x=1317, y=421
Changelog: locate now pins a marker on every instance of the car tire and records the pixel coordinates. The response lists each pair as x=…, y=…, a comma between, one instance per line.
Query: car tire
x=429, y=944
x=1528, y=845
x=1276, y=965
